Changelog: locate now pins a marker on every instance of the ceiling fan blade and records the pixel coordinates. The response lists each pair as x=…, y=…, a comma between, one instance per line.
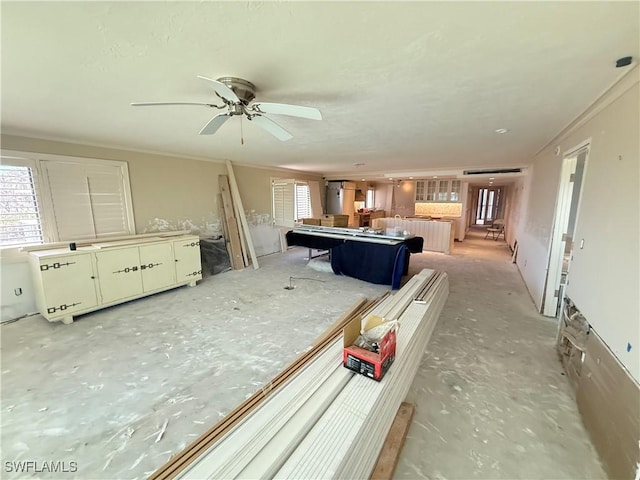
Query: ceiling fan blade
x=214, y=124
x=151, y=104
x=272, y=127
x=291, y=110
x=222, y=90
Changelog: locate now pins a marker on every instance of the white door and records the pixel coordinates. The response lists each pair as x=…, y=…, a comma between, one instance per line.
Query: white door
x=157, y=266
x=187, y=260
x=68, y=284
x=566, y=208
x=119, y=274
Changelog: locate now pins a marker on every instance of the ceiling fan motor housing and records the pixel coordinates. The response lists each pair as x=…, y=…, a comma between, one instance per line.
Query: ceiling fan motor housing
x=244, y=90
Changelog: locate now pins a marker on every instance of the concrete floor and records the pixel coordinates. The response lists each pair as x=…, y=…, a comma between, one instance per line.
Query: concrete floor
x=490, y=398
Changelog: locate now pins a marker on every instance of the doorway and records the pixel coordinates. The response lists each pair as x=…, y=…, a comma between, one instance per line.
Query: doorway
x=487, y=203
x=565, y=219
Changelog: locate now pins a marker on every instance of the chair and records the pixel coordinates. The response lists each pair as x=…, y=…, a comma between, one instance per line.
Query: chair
x=496, y=229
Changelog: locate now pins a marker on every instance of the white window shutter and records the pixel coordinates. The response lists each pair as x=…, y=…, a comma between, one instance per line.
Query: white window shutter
x=106, y=191
x=88, y=200
x=283, y=202
x=70, y=200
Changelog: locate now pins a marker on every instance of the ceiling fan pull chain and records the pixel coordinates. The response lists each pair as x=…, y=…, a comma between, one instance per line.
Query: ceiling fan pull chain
x=241, y=133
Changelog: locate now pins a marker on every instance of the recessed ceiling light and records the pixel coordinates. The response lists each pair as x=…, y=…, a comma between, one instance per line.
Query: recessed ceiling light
x=501, y=130
x=390, y=178
x=435, y=176
x=363, y=180
x=411, y=178
x=492, y=178
x=358, y=164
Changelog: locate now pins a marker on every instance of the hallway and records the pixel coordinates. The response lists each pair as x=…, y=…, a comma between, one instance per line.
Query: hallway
x=490, y=394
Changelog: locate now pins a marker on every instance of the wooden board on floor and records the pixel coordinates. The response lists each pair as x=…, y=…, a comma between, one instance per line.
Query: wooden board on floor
x=392, y=447
x=230, y=221
x=225, y=228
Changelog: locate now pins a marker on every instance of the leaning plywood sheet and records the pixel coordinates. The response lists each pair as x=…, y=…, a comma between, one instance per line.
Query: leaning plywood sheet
x=229, y=221
x=237, y=200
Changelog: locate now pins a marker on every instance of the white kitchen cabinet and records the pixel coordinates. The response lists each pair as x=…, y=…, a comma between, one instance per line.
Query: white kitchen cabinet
x=102, y=274
x=438, y=190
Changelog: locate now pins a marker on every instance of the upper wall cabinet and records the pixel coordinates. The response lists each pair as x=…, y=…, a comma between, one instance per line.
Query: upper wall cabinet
x=438, y=190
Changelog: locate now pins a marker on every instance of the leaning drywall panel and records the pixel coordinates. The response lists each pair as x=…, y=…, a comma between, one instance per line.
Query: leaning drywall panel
x=536, y=228
x=604, y=277
x=514, y=205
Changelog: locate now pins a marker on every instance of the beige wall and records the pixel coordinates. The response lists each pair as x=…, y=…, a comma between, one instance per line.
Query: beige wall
x=404, y=199
x=513, y=210
x=603, y=275
x=178, y=192
x=255, y=186
x=167, y=193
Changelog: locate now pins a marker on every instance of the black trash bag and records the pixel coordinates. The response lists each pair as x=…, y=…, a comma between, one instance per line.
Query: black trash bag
x=214, y=256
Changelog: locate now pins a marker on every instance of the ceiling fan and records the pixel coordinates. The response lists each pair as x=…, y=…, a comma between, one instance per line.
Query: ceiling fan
x=236, y=94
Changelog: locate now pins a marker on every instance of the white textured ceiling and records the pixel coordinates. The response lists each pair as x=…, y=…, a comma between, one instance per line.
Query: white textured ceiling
x=402, y=86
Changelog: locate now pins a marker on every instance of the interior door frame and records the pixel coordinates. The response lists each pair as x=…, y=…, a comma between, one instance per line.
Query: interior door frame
x=550, y=299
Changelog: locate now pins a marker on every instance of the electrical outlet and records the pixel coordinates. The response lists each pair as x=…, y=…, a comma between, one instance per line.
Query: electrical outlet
x=17, y=291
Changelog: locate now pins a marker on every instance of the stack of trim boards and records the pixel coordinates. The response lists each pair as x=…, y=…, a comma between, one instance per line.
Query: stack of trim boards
x=326, y=421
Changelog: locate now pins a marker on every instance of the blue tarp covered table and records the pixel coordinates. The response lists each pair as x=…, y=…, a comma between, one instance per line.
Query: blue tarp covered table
x=379, y=263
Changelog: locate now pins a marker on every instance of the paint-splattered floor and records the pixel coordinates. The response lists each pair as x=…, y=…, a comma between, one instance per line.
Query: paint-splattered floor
x=99, y=391
x=491, y=402
x=490, y=395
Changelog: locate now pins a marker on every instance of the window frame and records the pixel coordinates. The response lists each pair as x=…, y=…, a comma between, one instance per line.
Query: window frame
x=35, y=160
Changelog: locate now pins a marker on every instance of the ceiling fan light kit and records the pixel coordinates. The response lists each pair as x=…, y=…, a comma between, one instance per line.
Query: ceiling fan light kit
x=236, y=95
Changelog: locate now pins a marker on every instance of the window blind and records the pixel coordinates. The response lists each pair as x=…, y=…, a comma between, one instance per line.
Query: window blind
x=303, y=201
x=19, y=212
